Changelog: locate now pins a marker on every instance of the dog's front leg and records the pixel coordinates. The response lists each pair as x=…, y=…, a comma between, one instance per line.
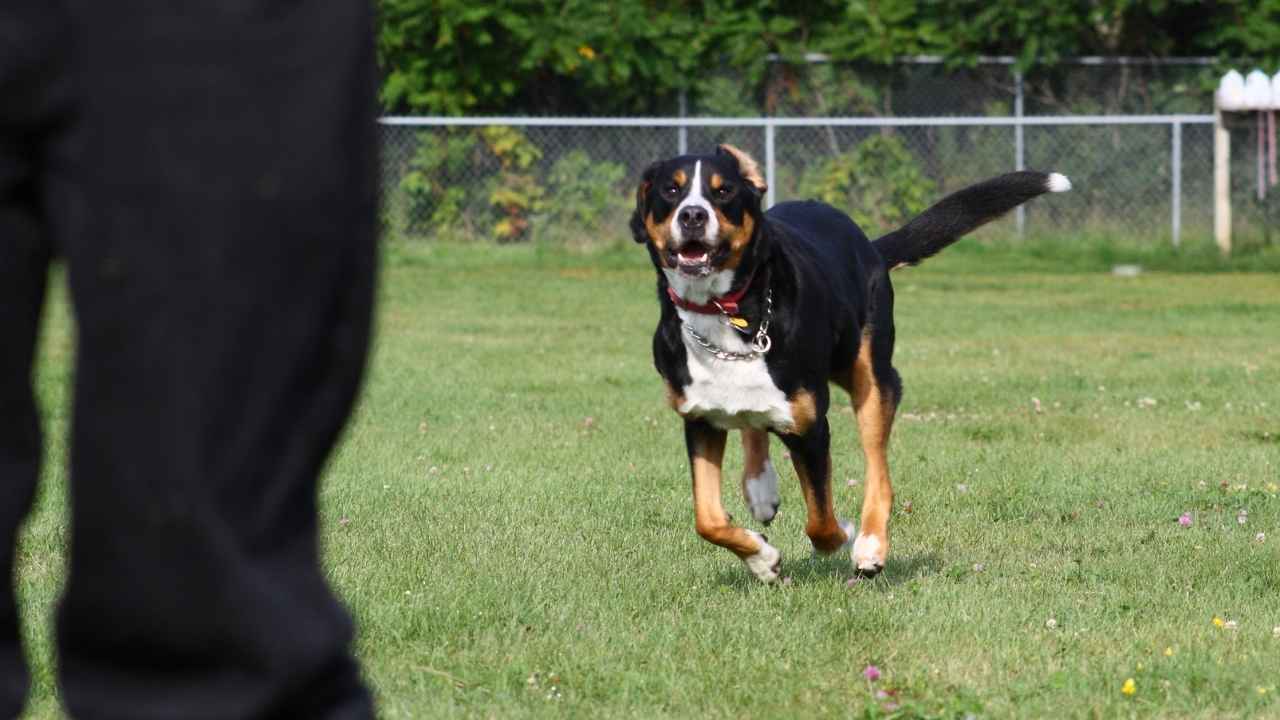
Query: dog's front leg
x=875, y=401
x=811, y=455
x=759, y=479
x=706, y=454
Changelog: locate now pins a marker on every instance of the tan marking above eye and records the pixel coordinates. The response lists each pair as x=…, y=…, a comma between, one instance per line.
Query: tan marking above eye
x=681, y=177
x=716, y=182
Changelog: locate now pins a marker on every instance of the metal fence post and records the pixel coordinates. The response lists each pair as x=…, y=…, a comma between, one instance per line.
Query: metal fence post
x=1176, y=170
x=682, y=135
x=769, y=176
x=1019, y=145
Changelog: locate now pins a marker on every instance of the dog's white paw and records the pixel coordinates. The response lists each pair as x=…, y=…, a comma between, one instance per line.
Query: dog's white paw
x=766, y=563
x=762, y=494
x=868, y=554
x=850, y=533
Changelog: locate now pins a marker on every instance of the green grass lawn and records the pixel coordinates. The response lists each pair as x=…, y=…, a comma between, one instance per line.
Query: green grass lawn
x=509, y=514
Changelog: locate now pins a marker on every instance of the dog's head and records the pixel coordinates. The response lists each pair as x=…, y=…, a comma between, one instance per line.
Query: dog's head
x=699, y=213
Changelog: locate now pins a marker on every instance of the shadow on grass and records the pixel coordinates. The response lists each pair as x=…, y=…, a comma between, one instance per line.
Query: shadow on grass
x=1262, y=436
x=810, y=569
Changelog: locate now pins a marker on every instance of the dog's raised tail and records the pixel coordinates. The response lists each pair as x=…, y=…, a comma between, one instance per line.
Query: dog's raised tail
x=962, y=212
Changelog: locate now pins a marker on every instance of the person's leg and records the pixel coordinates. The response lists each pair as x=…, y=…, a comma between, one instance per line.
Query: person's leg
x=29, y=85
x=217, y=213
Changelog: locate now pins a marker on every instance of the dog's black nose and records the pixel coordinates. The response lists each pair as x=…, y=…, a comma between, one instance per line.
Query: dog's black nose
x=692, y=218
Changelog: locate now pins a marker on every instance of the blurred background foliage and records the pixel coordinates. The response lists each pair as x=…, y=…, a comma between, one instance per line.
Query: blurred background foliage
x=582, y=57
x=749, y=58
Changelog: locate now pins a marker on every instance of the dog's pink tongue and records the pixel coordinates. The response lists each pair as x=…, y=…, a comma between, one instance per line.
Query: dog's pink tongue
x=692, y=254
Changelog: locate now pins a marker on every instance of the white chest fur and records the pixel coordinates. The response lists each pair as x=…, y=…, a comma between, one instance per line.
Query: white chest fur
x=730, y=393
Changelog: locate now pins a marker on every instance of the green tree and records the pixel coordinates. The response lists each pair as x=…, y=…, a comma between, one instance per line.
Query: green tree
x=583, y=57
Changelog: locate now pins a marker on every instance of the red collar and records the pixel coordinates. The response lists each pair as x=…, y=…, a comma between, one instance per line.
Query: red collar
x=726, y=304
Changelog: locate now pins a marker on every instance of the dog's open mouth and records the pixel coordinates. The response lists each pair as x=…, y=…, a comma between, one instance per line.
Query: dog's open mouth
x=694, y=258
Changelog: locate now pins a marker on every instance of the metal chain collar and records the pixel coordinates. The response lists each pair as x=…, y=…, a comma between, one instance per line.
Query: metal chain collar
x=760, y=343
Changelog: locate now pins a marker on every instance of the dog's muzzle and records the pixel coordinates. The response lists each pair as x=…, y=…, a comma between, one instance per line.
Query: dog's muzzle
x=694, y=258
x=693, y=222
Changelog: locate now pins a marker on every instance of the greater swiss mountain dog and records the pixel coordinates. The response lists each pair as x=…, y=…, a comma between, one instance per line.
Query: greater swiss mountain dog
x=761, y=310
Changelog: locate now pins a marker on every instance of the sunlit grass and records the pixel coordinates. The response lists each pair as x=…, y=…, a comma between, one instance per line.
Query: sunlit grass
x=509, y=519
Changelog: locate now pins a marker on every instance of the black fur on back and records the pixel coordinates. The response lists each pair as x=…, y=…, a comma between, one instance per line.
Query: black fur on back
x=958, y=214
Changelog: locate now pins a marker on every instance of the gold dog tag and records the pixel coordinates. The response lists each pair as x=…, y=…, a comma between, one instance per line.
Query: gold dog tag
x=740, y=323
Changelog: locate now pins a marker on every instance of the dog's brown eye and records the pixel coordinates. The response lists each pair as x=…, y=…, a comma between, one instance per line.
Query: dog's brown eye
x=722, y=192
x=671, y=191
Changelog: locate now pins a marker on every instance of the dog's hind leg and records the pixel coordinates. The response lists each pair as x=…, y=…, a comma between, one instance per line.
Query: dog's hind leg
x=759, y=479
x=811, y=455
x=706, y=455
x=876, y=389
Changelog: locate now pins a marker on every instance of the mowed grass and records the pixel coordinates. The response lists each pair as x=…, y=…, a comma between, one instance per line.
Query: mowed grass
x=509, y=518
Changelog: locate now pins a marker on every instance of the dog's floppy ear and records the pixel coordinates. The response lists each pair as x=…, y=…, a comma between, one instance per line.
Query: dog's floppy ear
x=747, y=167
x=638, y=231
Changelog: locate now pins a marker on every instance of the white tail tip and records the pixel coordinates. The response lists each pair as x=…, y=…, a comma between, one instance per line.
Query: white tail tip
x=1058, y=183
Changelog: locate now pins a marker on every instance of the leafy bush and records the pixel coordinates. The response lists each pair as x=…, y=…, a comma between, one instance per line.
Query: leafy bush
x=879, y=183
x=436, y=180
x=514, y=193
x=588, y=202
x=450, y=164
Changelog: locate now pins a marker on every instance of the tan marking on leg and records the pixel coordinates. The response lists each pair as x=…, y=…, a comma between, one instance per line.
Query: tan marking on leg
x=759, y=478
x=674, y=398
x=804, y=410
x=709, y=517
x=875, y=411
x=755, y=451
x=820, y=525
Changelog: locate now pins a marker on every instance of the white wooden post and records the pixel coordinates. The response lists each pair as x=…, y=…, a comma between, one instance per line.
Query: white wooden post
x=1221, y=183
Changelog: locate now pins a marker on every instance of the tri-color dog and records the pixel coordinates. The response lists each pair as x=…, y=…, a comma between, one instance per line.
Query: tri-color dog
x=761, y=310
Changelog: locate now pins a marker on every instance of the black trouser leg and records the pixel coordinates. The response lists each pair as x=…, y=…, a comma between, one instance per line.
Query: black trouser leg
x=29, y=90
x=215, y=206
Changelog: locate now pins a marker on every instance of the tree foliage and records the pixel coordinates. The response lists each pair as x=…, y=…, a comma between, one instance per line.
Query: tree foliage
x=586, y=57
x=879, y=182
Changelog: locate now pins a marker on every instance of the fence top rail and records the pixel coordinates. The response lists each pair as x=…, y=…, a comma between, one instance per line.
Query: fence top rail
x=817, y=57
x=761, y=122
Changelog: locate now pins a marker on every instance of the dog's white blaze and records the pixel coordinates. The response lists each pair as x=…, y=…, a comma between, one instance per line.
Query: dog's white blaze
x=1058, y=183
x=730, y=394
x=762, y=563
x=762, y=493
x=867, y=554
x=695, y=197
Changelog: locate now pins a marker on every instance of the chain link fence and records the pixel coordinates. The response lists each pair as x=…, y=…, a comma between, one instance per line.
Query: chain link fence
x=571, y=181
x=574, y=182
